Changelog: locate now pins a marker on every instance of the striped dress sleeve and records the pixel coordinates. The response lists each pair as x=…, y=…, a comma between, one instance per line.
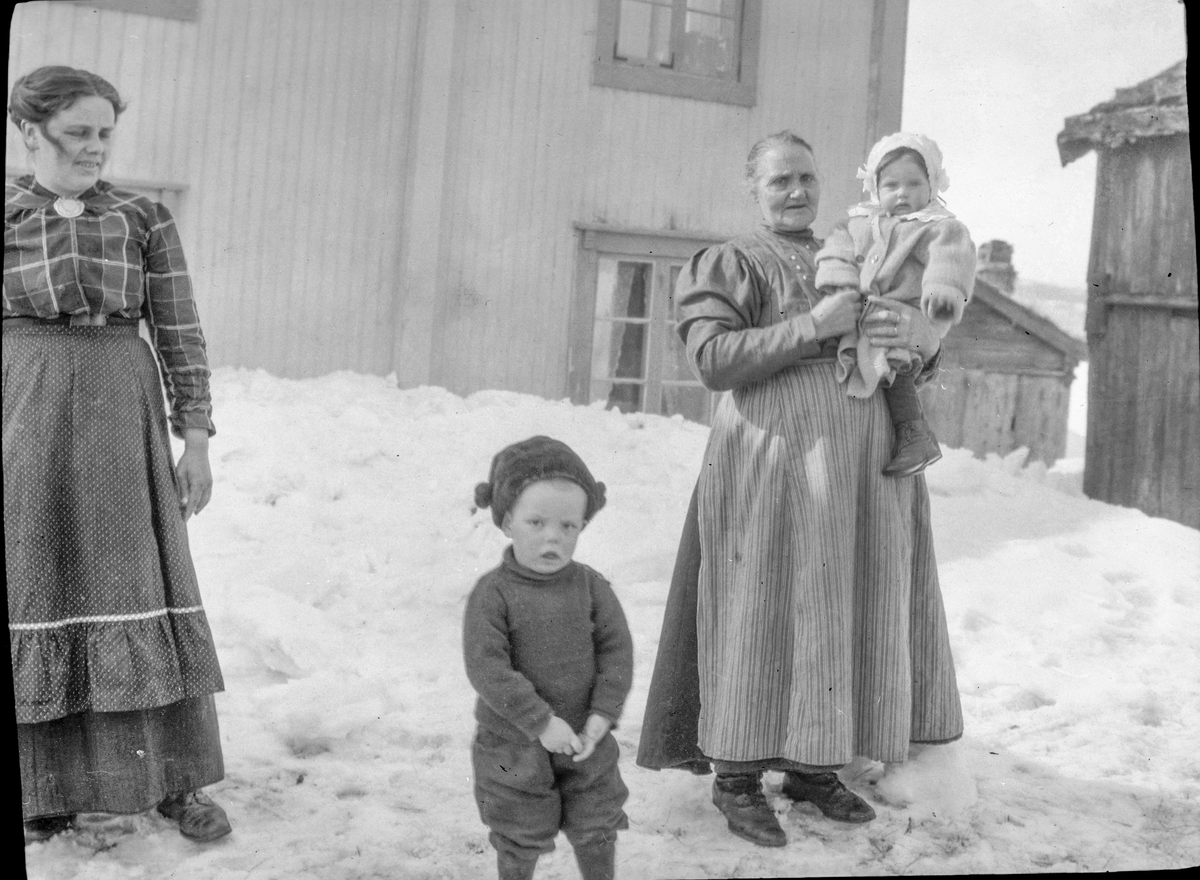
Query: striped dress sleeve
x=725, y=321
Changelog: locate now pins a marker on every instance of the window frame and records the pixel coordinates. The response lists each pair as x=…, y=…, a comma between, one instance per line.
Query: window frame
x=608, y=72
x=624, y=243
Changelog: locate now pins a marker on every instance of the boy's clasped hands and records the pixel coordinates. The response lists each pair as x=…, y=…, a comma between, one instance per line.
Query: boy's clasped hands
x=558, y=737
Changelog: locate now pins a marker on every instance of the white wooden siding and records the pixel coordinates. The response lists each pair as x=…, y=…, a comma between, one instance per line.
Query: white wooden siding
x=148, y=59
x=392, y=185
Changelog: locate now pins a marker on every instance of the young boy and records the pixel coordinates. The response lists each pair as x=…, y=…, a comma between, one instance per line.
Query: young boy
x=549, y=653
x=902, y=244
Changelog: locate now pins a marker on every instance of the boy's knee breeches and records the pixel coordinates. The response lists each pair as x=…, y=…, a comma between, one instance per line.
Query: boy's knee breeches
x=526, y=795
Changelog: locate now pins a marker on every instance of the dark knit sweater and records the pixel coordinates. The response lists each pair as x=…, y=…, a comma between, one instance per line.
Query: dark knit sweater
x=538, y=645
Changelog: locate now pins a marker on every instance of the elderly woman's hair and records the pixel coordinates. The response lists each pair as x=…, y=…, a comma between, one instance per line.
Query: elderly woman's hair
x=901, y=153
x=785, y=138
x=41, y=93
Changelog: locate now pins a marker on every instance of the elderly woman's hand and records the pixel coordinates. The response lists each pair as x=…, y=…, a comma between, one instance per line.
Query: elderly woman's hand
x=195, y=476
x=837, y=313
x=893, y=324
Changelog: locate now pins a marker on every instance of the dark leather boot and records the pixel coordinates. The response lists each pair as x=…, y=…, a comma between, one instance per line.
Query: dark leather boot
x=199, y=818
x=746, y=809
x=511, y=867
x=45, y=827
x=597, y=861
x=915, y=449
x=827, y=793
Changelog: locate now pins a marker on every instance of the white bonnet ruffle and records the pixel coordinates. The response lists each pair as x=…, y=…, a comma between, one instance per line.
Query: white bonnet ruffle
x=938, y=179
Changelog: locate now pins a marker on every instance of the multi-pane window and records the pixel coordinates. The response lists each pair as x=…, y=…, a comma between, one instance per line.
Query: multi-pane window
x=691, y=36
x=705, y=49
x=626, y=352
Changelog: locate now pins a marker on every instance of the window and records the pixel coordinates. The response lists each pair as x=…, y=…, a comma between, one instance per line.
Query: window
x=703, y=49
x=625, y=350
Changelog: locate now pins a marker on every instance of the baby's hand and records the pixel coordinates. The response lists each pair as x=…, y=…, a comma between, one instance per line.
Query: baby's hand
x=943, y=305
x=559, y=737
x=595, y=729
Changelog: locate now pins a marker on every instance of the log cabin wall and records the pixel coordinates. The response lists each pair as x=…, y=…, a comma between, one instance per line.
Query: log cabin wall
x=1002, y=386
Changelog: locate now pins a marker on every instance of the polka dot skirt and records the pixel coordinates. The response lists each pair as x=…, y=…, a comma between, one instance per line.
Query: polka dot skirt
x=104, y=609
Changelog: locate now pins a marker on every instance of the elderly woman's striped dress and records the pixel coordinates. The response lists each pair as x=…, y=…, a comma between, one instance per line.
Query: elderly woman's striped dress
x=819, y=628
x=113, y=663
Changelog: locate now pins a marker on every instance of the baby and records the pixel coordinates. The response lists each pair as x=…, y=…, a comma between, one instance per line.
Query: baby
x=902, y=245
x=549, y=653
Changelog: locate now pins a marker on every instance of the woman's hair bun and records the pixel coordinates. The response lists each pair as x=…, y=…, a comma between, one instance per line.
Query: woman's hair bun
x=483, y=494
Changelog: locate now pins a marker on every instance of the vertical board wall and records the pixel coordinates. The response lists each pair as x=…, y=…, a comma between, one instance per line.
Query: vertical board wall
x=393, y=185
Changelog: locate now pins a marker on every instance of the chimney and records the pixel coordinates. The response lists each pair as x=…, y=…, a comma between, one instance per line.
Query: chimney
x=995, y=265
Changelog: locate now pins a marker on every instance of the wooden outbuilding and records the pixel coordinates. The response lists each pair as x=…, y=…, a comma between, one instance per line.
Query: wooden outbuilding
x=1006, y=372
x=1143, y=434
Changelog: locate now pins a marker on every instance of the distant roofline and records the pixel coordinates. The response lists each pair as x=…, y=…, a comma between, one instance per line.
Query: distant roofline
x=1026, y=318
x=1156, y=107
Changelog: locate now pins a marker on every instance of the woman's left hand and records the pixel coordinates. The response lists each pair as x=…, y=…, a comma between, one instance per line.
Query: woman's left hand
x=193, y=472
x=893, y=324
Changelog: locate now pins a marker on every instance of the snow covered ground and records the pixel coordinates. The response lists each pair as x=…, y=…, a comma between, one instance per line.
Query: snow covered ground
x=341, y=543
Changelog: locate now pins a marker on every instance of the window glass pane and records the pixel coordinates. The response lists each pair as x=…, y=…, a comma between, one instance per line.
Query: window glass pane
x=622, y=288
x=625, y=396
x=671, y=292
x=709, y=46
x=619, y=350
x=644, y=31
x=675, y=362
x=689, y=401
x=727, y=8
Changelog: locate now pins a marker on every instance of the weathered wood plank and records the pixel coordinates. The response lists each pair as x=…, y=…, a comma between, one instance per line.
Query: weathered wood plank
x=1180, y=492
x=1153, y=366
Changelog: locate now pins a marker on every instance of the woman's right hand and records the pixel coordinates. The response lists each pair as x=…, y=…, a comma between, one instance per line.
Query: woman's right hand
x=838, y=313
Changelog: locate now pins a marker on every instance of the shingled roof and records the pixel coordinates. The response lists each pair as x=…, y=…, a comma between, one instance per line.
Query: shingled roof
x=1154, y=108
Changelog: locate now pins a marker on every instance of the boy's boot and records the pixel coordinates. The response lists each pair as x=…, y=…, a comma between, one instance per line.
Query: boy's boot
x=915, y=449
x=746, y=809
x=597, y=860
x=827, y=793
x=513, y=867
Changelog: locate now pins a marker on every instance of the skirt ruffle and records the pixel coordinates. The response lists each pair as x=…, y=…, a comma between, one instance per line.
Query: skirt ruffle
x=108, y=667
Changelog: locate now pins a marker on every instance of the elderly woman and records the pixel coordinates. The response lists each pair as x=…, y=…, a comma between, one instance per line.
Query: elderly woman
x=805, y=624
x=113, y=663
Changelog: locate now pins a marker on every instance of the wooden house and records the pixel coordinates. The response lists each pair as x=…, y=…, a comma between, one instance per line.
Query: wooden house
x=465, y=194
x=1143, y=434
x=1006, y=371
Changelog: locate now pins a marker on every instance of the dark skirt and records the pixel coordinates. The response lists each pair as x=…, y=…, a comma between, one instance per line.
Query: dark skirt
x=118, y=762
x=105, y=617
x=670, y=724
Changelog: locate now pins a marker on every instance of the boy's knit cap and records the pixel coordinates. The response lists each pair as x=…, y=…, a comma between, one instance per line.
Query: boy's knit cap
x=538, y=458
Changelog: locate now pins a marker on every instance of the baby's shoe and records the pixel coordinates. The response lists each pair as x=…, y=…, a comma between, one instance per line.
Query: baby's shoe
x=916, y=448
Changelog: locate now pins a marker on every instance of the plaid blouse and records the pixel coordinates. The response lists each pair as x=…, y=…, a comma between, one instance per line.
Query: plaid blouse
x=121, y=257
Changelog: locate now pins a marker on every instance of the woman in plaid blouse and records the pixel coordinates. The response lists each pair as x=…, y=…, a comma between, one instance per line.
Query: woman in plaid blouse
x=114, y=668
